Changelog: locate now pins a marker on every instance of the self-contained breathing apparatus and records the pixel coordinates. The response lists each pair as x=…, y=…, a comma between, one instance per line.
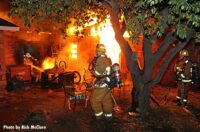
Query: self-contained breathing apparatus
x=194, y=71
x=117, y=75
x=114, y=78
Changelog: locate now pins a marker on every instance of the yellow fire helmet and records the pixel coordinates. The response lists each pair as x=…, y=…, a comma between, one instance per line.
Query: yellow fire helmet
x=184, y=53
x=28, y=54
x=101, y=48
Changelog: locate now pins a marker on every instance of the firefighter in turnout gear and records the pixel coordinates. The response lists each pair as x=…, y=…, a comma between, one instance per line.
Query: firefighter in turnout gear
x=183, y=70
x=100, y=99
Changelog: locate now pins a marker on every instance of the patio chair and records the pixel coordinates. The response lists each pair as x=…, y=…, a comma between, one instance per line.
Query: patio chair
x=72, y=93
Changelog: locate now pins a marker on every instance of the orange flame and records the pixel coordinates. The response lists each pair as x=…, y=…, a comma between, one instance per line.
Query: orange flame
x=107, y=37
x=48, y=63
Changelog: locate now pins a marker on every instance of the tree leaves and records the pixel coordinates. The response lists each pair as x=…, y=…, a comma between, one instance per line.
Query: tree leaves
x=182, y=13
x=181, y=31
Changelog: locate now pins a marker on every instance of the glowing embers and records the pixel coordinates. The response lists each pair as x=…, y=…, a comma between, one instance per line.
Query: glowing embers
x=74, y=51
x=48, y=63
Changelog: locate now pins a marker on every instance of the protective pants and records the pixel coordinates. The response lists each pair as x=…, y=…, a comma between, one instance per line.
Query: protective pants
x=101, y=102
x=183, y=90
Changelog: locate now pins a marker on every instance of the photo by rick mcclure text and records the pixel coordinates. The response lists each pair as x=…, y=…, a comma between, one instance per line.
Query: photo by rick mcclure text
x=23, y=127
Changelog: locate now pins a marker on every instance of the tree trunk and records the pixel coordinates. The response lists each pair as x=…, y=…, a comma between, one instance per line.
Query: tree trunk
x=144, y=97
x=142, y=79
x=140, y=95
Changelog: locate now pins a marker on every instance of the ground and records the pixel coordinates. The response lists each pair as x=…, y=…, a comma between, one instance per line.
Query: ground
x=34, y=109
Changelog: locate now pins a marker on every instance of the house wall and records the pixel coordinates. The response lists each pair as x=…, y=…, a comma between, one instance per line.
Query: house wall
x=2, y=66
x=13, y=46
x=16, y=44
x=169, y=78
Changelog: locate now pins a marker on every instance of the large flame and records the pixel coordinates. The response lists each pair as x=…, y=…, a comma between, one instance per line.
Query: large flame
x=106, y=34
x=107, y=37
x=48, y=63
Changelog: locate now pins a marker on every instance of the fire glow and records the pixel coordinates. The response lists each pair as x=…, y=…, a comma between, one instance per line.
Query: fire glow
x=106, y=34
x=74, y=51
x=107, y=37
x=48, y=63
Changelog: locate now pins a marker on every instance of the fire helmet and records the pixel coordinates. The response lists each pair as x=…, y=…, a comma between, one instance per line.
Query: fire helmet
x=101, y=48
x=184, y=53
x=28, y=54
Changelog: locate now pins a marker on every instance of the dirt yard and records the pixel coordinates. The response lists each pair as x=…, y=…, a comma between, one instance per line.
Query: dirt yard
x=35, y=109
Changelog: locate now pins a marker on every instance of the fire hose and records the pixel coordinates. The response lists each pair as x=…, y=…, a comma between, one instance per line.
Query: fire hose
x=116, y=106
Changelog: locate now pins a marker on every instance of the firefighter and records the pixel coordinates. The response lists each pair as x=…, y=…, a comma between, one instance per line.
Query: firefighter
x=100, y=99
x=32, y=61
x=29, y=59
x=183, y=72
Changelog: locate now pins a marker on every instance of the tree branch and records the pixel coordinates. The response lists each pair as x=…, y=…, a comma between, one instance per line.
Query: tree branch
x=146, y=45
x=152, y=38
x=142, y=27
x=164, y=46
x=113, y=9
x=168, y=59
x=107, y=4
x=148, y=56
x=165, y=14
x=123, y=28
x=147, y=48
x=104, y=4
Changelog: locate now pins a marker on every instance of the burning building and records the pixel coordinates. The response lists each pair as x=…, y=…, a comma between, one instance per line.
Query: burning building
x=51, y=50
